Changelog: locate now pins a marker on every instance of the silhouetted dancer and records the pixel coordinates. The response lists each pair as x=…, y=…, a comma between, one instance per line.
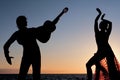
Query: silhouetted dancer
x=27, y=38
x=104, y=50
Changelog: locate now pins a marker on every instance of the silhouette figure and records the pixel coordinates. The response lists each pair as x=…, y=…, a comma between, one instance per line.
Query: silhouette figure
x=27, y=38
x=104, y=54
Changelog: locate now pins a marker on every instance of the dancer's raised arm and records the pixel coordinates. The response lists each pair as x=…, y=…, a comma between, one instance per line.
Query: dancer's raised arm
x=109, y=28
x=96, y=20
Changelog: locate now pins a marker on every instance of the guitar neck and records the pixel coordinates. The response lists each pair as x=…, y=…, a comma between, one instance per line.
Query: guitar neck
x=58, y=17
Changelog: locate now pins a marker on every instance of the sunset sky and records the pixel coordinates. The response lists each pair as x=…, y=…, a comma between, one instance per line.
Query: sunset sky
x=73, y=42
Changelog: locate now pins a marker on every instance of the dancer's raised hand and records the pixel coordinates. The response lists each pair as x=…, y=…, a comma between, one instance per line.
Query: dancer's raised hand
x=102, y=18
x=99, y=11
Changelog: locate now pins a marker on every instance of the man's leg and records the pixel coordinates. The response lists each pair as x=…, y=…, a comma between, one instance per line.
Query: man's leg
x=36, y=69
x=23, y=70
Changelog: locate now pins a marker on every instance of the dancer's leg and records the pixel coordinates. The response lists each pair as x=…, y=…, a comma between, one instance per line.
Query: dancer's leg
x=97, y=71
x=112, y=68
x=94, y=60
x=88, y=66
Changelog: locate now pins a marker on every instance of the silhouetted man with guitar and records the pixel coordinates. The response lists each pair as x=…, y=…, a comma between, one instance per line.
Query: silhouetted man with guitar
x=27, y=38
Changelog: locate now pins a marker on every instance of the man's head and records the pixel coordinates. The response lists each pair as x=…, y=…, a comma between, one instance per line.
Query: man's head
x=21, y=22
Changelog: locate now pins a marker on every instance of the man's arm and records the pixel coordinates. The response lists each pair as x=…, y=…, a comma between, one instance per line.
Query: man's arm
x=6, y=48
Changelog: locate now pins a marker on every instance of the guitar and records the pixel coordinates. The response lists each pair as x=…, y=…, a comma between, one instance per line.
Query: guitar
x=65, y=10
x=50, y=27
x=50, y=24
